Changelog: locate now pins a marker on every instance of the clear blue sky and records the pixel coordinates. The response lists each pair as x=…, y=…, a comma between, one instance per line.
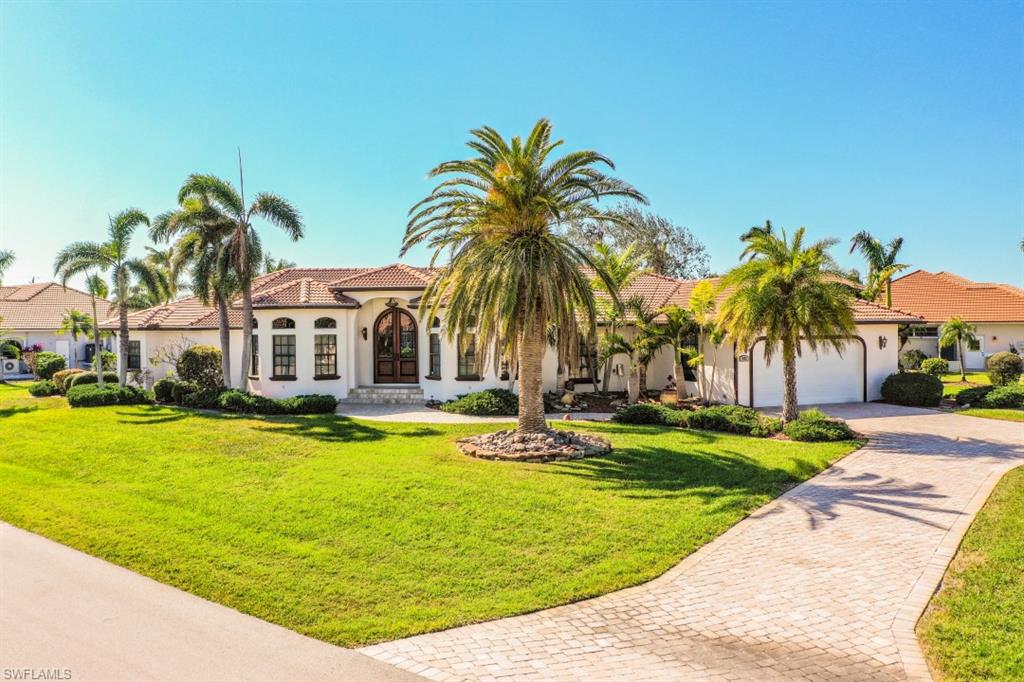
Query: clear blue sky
x=897, y=118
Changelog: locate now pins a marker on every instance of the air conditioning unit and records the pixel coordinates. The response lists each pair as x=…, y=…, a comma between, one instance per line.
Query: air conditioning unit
x=11, y=366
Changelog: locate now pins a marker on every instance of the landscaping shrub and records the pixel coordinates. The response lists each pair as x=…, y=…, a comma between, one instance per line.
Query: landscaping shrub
x=91, y=395
x=1004, y=368
x=248, y=403
x=181, y=389
x=309, y=404
x=109, y=359
x=973, y=396
x=814, y=426
x=734, y=419
x=60, y=379
x=935, y=367
x=1004, y=396
x=912, y=359
x=202, y=398
x=85, y=378
x=42, y=389
x=651, y=413
x=201, y=365
x=486, y=403
x=47, y=364
x=912, y=388
x=164, y=390
x=9, y=349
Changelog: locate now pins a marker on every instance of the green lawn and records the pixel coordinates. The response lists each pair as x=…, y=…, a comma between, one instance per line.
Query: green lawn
x=952, y=384
x=356, y=531
x=1005, y=414
x=974, y=627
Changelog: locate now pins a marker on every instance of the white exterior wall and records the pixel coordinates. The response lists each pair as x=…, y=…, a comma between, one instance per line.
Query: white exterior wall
x=152, y=342
x=881, y=362
x=993, y=337
x=48, y=338
x=304, y=331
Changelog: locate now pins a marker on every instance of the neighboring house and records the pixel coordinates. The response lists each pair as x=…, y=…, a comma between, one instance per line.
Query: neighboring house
x=356, y=333
x=997, y=310
x=34, y=312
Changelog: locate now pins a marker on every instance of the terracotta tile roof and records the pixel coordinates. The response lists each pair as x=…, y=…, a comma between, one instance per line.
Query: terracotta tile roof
x=42, y=305
x=939, y=296
x=299, y=293
x=394, y=276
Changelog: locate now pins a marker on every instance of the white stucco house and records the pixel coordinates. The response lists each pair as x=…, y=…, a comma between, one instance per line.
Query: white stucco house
x=357, y=333
x=996, y=310
x=33, y=313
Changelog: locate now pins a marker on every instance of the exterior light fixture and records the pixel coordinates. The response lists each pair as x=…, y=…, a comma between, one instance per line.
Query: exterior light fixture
x=882, y=342
x=364, y=333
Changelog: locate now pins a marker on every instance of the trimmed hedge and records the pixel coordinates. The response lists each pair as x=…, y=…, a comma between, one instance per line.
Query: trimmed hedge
x=201, y=365
x=88, y=378
x=490, y=402
x=734, y=419
x=912, y=359
x=814, y=426
x=912, y=389
x=91, y=395
x=60, y=379
x=1004, y=396
x=249, y=403
x=935, y=367
x=316, y=403
x=42, y=389
x=202, y=398
x=973, y=396
x=651, y=413
x=181, y=390
x=1004, y=368
x=164, y=390
x=48, y=364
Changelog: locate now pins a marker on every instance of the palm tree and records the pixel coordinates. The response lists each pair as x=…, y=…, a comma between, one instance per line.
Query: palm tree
x=242, y=248
x=203, y=230
x=271, y=264
x=882, y=265
x=125, y=271
x=96, y=288
x=956, y=331
x=702, y=311
x=679, y=324
x=510, y=273
x=75, y=322
x=622, y=270
x=165, y=261
x=786, y=292
x=6, y=261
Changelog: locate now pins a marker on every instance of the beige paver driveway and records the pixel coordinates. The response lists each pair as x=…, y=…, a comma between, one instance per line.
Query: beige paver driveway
x=824, y=583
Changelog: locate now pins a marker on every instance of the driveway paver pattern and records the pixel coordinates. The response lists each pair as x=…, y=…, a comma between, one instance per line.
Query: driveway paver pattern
x=824, y=583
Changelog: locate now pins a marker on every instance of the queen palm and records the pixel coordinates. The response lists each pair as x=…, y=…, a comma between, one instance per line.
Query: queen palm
x=75, y=323
x=242, y=246
x=6, y=261
x=509, y=273
x=166, y=262
x=956, y=332
x=126, y=272
x=882, y=264
x=96, y=288
x=786, y=292
x=622, y=270
x=202, y=231
x=678, y=325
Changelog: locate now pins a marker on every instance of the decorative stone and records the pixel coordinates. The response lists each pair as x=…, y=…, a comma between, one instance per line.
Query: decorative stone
x=547, y=446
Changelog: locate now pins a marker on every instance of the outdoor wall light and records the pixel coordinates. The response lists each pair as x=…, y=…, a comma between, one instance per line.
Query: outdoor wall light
x=364, y=333
x=882, y=342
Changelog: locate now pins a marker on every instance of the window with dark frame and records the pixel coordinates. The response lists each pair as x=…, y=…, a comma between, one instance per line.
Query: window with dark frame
x=254, y=357
x=284, y=356
x=948, y=353
x=283, y=323
x=690, y=341
x=325, y=355
x=134, y=355
x=435, y=356
x=325, y=323
x=468, y=366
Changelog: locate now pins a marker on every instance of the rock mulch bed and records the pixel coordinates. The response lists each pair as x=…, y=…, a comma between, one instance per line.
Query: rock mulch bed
x=552, y=445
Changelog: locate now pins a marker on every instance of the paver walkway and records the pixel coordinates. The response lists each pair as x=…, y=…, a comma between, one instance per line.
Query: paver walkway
x=824, y=583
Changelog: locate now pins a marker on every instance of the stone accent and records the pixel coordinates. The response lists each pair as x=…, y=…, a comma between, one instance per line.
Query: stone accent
x=385, y=395
x=552, y=445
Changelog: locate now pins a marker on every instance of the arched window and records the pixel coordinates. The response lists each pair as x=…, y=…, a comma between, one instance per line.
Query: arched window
x=255, y=323
x=325, y=323
x=436, y=323
x=284, y=323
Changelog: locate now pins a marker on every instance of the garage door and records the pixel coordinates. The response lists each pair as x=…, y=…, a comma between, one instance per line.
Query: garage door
x=823, y=377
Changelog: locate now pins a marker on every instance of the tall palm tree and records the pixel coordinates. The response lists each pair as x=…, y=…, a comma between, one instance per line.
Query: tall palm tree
x=510, y=274
x=75, y=322
x=125, y=271
x=96, y=288
x=679, y=324
x=702, y=309
x=786, y=292
x=166, y=262
x=956, y=332
x=242, y=248
x=202, y=231
x=6, y=261
x=882, y=264
x=622, y=270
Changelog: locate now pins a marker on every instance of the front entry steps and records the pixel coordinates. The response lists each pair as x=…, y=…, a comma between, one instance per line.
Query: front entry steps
x=385, y=395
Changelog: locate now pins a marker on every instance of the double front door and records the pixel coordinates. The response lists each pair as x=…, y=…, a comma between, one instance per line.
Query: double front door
x=394, y=348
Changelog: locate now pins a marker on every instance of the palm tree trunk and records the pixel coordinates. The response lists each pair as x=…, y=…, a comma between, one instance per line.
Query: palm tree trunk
x=960, y=352
x=531, y=381
x=789, y=399
x=888, y=293
x=246, y=333
x=223, y=325
x=714, y=368
x=679, y=374
x=97, y=358
x=122, y=343
x=642, y=379
x=632, y=384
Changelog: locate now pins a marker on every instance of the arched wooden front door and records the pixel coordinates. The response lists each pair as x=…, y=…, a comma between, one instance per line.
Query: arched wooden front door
x=395, y=356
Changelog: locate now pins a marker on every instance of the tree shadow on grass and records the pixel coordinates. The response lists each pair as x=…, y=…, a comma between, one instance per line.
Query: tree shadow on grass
x=151, y=414
x=21, y=409
x=337, y=429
